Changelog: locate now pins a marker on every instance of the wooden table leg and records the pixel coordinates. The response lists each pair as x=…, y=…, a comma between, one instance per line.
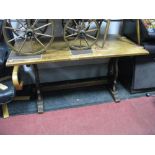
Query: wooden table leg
x=40, y=104
x=112, y=76
x=5, y=110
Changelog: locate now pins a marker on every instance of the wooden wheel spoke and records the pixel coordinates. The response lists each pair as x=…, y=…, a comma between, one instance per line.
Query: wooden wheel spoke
x=46, y=35
x=91, y=30
x=42, y=26
x=10, y=28
x=14, y=38
x=88, y=25
x=75, y=22
x=90, y=36
x=86, y=41
x=35, y=22
x=71, y=35
x=21, y=23
x=83, y=23
x=70, y=28
x=39, y=42
x=22, y=45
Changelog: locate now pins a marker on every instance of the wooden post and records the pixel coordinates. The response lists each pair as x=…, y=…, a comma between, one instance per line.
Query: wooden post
x=138, y=31
x=106, y=32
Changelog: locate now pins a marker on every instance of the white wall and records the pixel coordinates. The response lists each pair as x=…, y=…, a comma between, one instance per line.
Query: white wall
x=114, y=27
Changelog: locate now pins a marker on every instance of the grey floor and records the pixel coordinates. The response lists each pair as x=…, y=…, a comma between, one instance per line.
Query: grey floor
x=69, y=99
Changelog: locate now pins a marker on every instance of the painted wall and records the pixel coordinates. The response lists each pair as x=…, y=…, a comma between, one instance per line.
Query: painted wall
x=115, y=27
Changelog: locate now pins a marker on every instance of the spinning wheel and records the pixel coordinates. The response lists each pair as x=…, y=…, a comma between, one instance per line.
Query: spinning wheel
x=81, y=34
x=30, y=36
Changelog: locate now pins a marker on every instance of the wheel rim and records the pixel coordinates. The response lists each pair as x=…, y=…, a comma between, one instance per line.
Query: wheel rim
x=30, y=36
x=81, y=34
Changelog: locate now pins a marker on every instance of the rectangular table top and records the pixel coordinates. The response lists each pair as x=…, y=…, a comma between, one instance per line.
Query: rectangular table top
x=58, y=52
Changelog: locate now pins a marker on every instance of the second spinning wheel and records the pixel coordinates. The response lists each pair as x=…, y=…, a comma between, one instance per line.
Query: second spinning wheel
x=81, y=34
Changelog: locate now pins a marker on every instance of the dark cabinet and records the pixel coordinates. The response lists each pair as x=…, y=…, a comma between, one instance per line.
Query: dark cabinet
x=137, y=74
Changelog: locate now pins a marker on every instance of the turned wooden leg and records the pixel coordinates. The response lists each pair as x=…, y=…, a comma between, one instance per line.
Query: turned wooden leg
x=40, y=102
x=5, y=110
x=112, y=75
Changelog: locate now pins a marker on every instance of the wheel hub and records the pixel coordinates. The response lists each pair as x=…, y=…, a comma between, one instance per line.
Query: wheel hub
x=29, y=33
x=82, y=34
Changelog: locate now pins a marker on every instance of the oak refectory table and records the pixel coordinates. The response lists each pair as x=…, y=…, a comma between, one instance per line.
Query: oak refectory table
x=114, y=48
